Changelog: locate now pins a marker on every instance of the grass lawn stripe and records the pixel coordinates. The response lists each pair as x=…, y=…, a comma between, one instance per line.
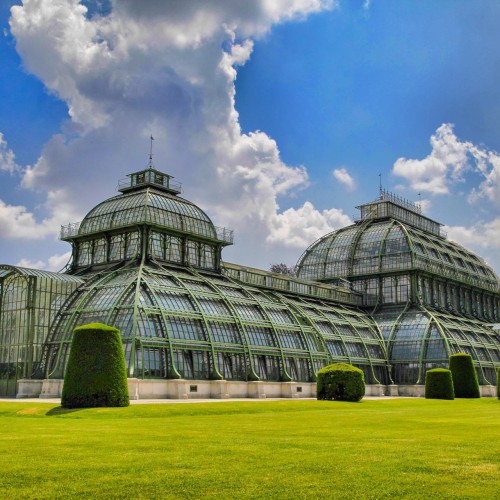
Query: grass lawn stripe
x=412, y=448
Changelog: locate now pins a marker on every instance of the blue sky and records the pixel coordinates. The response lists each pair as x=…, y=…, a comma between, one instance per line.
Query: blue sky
x=277, y=116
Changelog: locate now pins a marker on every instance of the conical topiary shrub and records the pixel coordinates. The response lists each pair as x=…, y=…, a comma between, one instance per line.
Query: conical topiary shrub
x=439, y=384
x=498, y=382
x=464, y=376
x=340, y=382
x=96, y=374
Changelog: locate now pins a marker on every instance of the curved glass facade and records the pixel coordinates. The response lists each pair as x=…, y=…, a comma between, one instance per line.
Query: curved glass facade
x=29, y=302
x=421, y=339
x=182, y=324
x=388, y=294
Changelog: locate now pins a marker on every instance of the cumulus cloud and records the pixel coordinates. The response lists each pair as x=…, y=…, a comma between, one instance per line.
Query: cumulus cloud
x=7, y=157
x=17, y=222
x=482, y=234
x=166, y=68
x=54, y=263
x=482, y=237
x=447, y=163
x=300, y=227
x=343, y=176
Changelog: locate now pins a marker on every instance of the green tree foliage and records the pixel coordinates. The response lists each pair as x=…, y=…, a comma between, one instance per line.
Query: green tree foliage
x=340, y=382
x=96, y=374
x=283, y=269
x=464, y=376
x=439, y=384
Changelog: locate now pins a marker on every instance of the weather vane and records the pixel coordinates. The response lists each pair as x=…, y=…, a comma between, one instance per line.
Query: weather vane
x=151, y=151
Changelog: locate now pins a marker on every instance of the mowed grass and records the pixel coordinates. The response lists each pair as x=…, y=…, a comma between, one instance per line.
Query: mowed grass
x=412, y=448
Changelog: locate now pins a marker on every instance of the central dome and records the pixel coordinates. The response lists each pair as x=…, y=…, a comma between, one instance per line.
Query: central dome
x=148, y=220
x=150, y=206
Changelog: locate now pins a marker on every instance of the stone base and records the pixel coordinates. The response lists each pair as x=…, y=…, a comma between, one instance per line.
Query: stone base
x=222, y=389
x=412, y=391
x=29, y=388
x=488, y=391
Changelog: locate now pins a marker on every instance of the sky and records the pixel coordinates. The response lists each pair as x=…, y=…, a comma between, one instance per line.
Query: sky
x=277, y=116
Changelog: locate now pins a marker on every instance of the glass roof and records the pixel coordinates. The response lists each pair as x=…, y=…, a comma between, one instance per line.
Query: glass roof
x=148, y=205
x=166, y=315
x=423, y=338
x=375, y=247
x=6, y=270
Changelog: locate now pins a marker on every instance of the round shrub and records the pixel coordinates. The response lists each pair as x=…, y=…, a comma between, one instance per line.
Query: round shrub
x=439, y=384
x=96, y=374
x=464, y=376
x=340, y=382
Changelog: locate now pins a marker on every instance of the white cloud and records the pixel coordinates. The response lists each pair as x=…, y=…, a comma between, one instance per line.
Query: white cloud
x=300, y=227
x=483, y=238
x=447, y=163
x=156, y=67
x=483, y=234
x=31, y=264
x=7, y=157
x=54, y=263
x=343, y=176
x=17, y=222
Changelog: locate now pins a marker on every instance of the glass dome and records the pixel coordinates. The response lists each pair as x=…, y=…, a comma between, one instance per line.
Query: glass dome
x=148, y=206
x=183, y=324
x=387, y=246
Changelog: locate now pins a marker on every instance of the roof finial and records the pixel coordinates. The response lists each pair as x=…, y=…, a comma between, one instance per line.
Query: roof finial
x=380, y=185
x=151, y=152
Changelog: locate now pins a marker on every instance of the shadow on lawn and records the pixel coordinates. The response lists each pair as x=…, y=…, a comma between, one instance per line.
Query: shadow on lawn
x=60, y=410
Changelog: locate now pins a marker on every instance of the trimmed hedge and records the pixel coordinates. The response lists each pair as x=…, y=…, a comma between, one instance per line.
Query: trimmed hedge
x=464, y=376
x=498, y=382
x=96, y=374
x=340, y=382
x=439, y=384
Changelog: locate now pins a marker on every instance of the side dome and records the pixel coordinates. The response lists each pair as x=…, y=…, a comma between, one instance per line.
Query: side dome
x=357, y=250
x=391, y=246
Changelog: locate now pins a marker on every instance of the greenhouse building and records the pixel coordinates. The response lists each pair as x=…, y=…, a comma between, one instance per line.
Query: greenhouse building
x=388, y=294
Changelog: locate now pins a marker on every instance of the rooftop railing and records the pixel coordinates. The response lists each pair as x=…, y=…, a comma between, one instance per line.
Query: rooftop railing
x=399, y=200
x=69, y=230
x=73, y=229
x=162, y=181
x=284, y=283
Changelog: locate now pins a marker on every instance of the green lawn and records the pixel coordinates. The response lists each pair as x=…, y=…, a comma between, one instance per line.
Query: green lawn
x=413, y=448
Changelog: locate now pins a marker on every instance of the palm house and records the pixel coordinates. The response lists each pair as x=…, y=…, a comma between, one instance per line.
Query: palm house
x=388, y=294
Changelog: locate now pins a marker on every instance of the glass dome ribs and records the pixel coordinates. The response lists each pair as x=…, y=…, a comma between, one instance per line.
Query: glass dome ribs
x=147, y=207
x=380, y=247
x=182, y=324
x=420, y=339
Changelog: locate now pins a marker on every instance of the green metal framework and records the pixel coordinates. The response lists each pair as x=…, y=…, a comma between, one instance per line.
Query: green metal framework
x=29, y=300
x=420, y=339
x=148, y=218
x=180, y=323
x=388, y=294
x=430, y=297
